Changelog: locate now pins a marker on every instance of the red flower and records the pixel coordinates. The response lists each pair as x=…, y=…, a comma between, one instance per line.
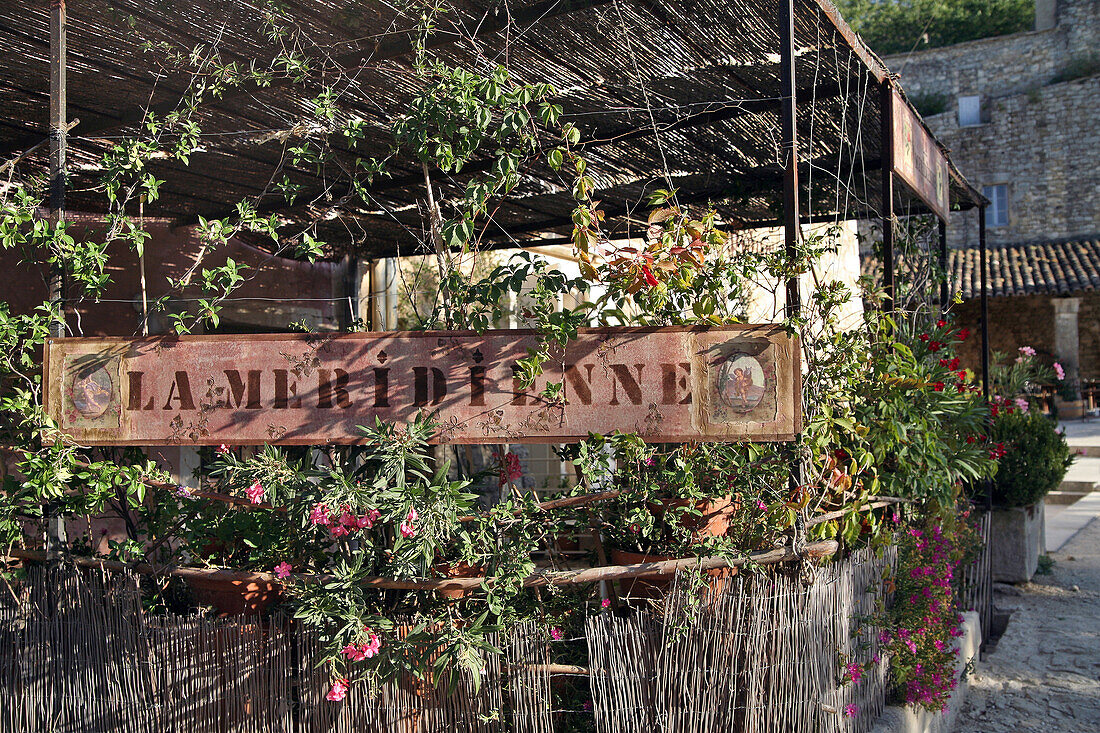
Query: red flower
x=954, y=365
x=923, y=337
x=938, y=386
x=963, y=334
x=941, y=323
x=935, y=346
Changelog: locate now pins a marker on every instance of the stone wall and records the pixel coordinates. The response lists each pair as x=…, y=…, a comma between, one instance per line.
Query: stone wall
x=1029, y=321
x=1039, y=138
x=1045, y=145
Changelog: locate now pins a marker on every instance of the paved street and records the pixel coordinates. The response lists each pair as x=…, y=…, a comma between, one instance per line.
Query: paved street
x=1045, y=672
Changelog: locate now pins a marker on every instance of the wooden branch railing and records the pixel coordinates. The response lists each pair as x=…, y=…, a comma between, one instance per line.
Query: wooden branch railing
x=539, y=578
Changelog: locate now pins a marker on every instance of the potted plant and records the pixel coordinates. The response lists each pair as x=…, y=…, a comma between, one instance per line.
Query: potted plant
x=248, y=520
x=1034, y=459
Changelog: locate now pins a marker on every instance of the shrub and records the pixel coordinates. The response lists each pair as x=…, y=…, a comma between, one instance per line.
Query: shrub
x=903, y=26
x=929, y=103
x=1035, y=460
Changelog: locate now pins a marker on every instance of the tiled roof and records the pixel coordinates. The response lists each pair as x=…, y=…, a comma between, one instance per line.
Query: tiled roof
x=1052, y=268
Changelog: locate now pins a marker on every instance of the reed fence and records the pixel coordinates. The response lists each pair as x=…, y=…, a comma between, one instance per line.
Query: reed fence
x=975, y=580
x=753, y=653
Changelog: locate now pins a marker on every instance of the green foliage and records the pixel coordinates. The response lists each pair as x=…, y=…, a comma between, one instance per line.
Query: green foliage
x=1036, y=459
x=918, y=414
x=930, y=103
x=900, y=26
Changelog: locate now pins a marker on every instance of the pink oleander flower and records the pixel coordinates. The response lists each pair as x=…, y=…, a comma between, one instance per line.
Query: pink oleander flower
x=222, y=449
x=338, y=691
x=353, y=652
x=367, y=520
x=407, y=529
x=255, y=493
x=761, y=505
x=649, y=461
x=555, y=634
x=606, y=603
x=282, y=570
x=372, y=647
x=339, y=530
x=851, y=710
x=1059, y=371
x=1027, y=351
x=319, y=515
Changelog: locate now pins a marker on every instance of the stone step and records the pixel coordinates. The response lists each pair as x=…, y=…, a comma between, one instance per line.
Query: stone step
x=1083, y=476
x=1065, y=497
x=1063, y=523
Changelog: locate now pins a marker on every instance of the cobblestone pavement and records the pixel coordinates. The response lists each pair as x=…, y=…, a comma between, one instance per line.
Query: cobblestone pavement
x=1045, y=672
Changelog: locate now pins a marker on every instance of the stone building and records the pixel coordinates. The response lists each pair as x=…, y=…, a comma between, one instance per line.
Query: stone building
x=1019, y=116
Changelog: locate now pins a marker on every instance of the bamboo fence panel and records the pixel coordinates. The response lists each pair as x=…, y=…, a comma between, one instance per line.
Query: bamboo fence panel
x=975, y=580
x=755, y=653
x=528, y=656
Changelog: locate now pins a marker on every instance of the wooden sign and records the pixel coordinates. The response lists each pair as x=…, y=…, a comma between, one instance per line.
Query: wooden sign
x=667, y=384
x=918, y=160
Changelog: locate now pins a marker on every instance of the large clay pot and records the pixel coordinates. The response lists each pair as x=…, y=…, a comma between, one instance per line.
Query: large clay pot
x=458, y=570
x=235, y=597
x=714, y=518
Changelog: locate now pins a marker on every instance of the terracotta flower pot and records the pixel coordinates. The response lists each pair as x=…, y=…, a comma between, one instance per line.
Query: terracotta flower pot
x=458, y=570
x=714, y=514
x=235, y=597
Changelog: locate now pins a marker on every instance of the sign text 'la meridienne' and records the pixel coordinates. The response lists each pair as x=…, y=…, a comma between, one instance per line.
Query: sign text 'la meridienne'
x=667, y=384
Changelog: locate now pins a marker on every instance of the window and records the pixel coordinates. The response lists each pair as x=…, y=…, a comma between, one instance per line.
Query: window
x=996, y=214
x=970, y=111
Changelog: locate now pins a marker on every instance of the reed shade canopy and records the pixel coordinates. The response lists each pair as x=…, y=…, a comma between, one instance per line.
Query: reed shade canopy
x=680, y=92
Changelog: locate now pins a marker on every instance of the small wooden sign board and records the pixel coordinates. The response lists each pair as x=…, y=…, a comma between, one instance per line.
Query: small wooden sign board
x=918, y=160
x=671, y=384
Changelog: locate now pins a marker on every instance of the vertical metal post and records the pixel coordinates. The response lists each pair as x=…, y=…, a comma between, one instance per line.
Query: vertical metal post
x=945, y=284
x=791, y=225
x=887, y=132
x=58, y=125
x=789, y=153
x=984, y=280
